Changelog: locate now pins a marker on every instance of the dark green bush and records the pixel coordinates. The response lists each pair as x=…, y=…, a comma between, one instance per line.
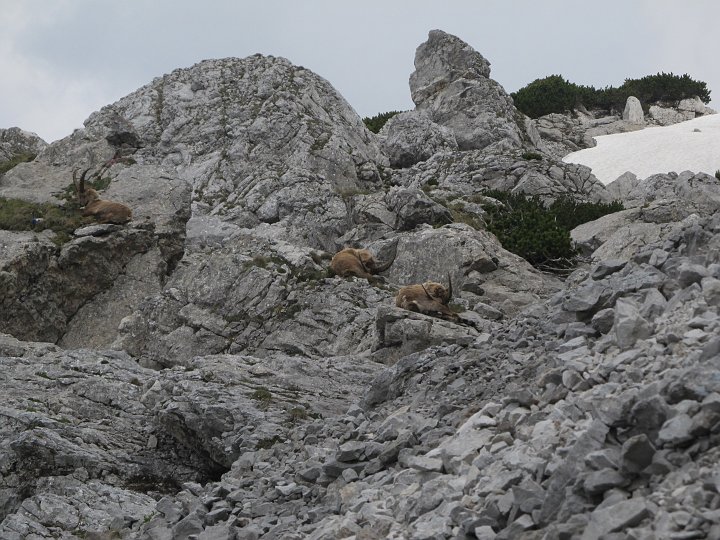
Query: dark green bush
x=375, y=123
x=554, y=94
x=717, y=174
x=538, y=233
x=5, y=166
x=664, y=87
x=569, y=213
x=548, y=95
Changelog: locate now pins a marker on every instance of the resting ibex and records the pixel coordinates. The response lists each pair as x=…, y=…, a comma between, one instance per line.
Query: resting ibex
x=358, y=262
x=430, y=298
x=103, y=211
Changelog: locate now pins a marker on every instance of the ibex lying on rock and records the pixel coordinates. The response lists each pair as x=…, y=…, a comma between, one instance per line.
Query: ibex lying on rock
x=358, y=262
x=429, y=298
x=103, y=211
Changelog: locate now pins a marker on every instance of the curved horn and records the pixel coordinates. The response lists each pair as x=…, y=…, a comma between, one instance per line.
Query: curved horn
x=426, y=291
x=382, y=267
x=82, y=179
x=448, y=296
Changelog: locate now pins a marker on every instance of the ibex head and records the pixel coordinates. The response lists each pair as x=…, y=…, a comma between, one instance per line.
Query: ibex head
x=430, y=298
x=358, y=262
x=103, y=211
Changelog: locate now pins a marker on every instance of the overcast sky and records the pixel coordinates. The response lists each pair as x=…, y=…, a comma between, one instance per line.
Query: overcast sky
x=60, y=60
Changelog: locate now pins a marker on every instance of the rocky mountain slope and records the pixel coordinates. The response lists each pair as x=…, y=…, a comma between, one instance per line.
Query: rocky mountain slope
x=197, y=373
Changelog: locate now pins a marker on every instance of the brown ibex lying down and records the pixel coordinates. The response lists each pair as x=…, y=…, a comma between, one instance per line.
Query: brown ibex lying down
x=103, y=211
x=429, y=298
x=358, y=262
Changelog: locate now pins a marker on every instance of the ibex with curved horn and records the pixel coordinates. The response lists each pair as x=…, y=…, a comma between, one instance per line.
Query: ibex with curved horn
x=103, y=211
x=429, y=298
x=358, y=262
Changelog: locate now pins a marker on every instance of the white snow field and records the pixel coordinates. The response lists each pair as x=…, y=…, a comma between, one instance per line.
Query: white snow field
x=688, y=146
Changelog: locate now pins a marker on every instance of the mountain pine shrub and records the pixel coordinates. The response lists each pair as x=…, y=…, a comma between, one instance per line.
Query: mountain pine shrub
x=375, y=123
x=554, y=94
x=540, y=233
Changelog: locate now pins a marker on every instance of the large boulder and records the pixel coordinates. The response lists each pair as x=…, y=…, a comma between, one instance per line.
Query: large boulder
x=411, y=137
x=451, y=84
x=633, y=112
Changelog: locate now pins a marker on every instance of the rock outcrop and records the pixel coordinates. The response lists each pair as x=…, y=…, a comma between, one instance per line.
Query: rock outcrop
x=16, y=142
x=411, y=137
x=655, y=207
x=687, y=109
x=452, y=85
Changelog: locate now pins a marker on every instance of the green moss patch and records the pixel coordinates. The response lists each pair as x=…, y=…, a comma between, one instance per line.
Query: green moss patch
x=20, y=215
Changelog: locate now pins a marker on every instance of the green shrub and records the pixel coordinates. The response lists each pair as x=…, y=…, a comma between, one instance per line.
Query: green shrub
x=717, y=174
x=375, y=123
x=554, y=94
x=262, y=394
x=664, y=87
x=532, y=155
x=569, y=213
x=5, y=166
x=538, y=233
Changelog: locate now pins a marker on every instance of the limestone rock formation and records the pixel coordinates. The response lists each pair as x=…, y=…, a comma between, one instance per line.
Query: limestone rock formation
x=411, y=137
x=687, y=109
x=655, y=207
x=14, y=142
x=470, y=173
x=451, y=84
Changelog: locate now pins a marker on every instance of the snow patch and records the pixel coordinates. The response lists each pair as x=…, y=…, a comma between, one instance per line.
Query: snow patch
x=688, y=146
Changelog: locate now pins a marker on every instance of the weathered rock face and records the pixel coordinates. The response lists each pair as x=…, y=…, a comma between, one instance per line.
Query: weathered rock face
x=655, y=206
x=167, y=428
x=411, y=137
x=44, y=286
x=14, y=141
x=451, y=84
x=264, y=144
x=563, y=134
x=687, y=109
x=469, y=174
